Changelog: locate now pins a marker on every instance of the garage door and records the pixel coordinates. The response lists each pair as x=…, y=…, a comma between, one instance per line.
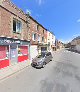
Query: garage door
x=33, y=51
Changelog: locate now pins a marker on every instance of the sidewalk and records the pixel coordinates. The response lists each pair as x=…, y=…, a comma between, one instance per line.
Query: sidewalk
x=8, y=71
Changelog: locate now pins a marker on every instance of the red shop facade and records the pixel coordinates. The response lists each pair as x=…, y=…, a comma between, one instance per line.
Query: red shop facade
x=13, y=51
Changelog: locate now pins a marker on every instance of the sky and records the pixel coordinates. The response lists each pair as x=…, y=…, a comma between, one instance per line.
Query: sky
x=62, y=17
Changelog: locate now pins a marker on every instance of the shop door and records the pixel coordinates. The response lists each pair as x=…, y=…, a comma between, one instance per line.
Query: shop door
x=43, y=49
x=13, y=54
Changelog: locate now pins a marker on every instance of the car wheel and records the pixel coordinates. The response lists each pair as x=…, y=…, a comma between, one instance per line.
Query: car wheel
x=44, y=63
x=43, y=66
x=51, y=60
x=31, y=64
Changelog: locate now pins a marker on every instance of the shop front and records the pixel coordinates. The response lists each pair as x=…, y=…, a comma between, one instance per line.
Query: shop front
x=42, y=48
x=53, y=47
x=23, y=53
x=13, y=51
x=4, y=59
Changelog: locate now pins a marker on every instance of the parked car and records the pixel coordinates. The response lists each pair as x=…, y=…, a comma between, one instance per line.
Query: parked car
x=42, y=60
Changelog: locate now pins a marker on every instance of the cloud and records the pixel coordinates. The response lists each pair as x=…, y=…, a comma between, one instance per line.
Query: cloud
x=40, y=2
x=65, y=41
x=38, y=15
x=70, y=39
x=78, y=20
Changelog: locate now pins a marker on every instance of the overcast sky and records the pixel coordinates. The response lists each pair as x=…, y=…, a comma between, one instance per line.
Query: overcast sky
x=60, y=16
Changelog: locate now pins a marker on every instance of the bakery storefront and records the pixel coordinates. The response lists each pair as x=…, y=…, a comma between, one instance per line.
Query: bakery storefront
x=13, y=51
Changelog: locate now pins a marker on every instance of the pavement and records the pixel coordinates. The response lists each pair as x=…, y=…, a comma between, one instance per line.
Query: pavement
x=60, y=75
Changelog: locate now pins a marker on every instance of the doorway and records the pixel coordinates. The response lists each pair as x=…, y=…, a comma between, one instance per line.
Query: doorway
x=13, y=54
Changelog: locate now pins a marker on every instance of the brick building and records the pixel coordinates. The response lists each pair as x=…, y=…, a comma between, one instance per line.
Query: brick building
x=37, y=35
x=14, y=46
x=59, y=44
x=75, y=44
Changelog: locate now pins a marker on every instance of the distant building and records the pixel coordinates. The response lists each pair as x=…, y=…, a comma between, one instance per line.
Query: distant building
x=75, y=44
x=51, y=41
x=59, y=44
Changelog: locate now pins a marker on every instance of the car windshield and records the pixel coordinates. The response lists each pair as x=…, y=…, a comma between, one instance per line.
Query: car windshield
x=42, y=55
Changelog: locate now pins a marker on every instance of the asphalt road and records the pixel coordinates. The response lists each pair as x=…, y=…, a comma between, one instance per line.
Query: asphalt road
x=60, y=75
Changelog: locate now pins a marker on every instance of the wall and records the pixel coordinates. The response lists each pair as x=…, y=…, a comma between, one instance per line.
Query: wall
x=5, y=22
x=33, y=51
x=33, y=29
x=50, y=39
x=77, y=47
x=8, y=11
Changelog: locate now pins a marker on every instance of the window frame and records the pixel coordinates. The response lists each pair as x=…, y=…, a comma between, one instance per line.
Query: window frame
x=42, y=39
x=18, y=25
x=34, y=36
x=37, y=27
x=38, y=38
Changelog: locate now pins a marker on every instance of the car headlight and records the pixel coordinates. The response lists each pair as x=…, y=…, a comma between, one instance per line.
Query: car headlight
x=40, y=61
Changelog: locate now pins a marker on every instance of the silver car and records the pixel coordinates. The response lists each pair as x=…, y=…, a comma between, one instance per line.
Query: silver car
x=42, y=60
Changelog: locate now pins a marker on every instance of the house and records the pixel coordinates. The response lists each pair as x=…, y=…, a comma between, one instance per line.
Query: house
x=14, y=44
x=51, y=41
x=22, y=38
x=37, y=35
x=75, y=44
x=59, y=44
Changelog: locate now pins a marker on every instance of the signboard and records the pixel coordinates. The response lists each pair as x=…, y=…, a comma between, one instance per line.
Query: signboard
x=11, y=41
x=8, y=41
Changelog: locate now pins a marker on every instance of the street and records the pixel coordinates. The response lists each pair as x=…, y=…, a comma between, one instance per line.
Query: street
x=60, y=75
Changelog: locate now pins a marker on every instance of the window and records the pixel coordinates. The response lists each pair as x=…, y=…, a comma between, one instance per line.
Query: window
x=42, y=39
x=38, y=27
x=49, y=34
x=23, y=50
x=43, y=31
x=14, y=25
x=39, y=38
x=34, y=37
x=49, y=53
x=17, y=26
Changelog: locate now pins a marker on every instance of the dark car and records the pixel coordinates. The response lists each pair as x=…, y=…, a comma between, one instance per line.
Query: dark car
x=42, y=60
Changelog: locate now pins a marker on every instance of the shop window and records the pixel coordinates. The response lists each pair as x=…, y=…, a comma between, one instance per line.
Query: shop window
x=17, y=26
x=2, y=52
x=7, y=51
x=23, y=50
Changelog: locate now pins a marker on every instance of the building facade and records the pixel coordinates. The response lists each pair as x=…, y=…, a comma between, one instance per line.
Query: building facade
x=22, y=38
x=14, y=44
x=59, y=44
x=51, y=41
x=75, y=44
x=37, y=35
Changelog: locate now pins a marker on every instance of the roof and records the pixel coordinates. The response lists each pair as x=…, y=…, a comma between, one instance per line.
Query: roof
x=36, y=22
x=77, y=38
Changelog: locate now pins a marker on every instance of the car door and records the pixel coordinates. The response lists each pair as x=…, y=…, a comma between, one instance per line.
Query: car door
x=47, y=58
x=50, y=56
